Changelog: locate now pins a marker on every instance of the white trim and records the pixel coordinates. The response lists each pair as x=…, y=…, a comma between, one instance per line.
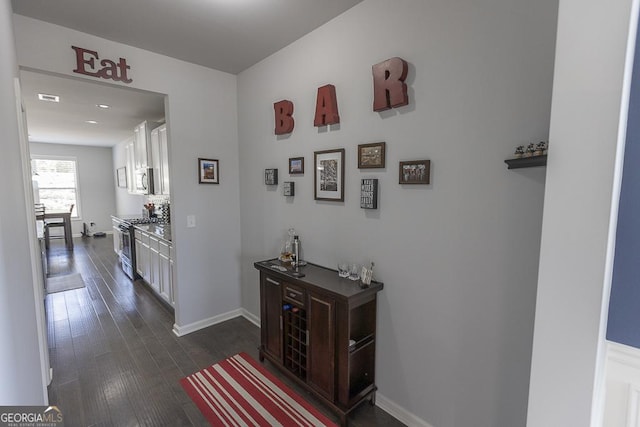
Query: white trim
x=204, y=323
x=36, y=265
x=633, y=410
x=624, y=354
x=399, y=413
x=250, y=317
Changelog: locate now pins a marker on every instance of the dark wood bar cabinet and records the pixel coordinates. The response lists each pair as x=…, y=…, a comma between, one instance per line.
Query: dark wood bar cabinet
x=320, y=330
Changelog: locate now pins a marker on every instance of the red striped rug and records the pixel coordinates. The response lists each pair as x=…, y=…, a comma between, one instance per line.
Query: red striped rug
x=239, y=392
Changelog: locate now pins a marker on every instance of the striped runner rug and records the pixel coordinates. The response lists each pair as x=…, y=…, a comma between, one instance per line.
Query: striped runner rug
x=238, y=391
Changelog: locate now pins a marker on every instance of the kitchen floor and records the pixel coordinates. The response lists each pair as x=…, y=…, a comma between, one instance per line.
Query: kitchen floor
x=115, y=359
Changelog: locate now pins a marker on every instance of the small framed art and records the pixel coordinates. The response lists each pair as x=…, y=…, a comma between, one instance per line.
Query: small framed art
x=208, y=171
x=296, y=165
x=122, y=177
x=415, y=172
x=289, y=188
x=328, y=178
x=369, y=193
x=371, y=156
x=271, y=176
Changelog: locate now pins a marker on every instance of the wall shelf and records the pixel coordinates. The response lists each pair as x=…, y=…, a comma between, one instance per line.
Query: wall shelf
x=526, y=162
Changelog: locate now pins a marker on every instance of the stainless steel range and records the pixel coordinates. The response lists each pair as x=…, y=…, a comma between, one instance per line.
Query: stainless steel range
x=128, y=252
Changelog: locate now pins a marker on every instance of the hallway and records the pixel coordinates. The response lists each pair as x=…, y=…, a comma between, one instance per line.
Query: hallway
x=115, y=358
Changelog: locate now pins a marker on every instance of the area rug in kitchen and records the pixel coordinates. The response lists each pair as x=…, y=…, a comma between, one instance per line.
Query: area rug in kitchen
x=239, y=391
x=64, y=283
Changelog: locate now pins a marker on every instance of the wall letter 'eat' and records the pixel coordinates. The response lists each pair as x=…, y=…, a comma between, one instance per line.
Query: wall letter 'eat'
x=283, y=117
x=389, y=88
x=326, y=106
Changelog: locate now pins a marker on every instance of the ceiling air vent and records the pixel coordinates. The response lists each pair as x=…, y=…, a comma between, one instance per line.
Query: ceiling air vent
x=48, y=98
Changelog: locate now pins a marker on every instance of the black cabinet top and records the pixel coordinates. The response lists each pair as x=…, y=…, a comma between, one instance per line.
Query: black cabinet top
x=321, y=278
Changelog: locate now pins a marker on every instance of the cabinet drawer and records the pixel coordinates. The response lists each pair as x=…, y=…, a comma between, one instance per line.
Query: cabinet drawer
x=138, y=234
x=294, y=294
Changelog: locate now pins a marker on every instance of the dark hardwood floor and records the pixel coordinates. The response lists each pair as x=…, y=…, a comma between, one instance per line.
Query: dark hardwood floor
x=115, y=359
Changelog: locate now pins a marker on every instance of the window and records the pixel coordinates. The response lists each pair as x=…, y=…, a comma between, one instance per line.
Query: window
x=56, y=183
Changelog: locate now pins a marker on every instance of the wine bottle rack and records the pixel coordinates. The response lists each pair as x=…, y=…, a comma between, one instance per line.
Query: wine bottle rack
x=295, y=332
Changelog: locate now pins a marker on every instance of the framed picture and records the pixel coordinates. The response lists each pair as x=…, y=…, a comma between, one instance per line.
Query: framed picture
x=289, y=188
x=296, y=165
x=121, y=177
x=271, y=176
x=369, y=193
x=328, y=179
x=371, y=156
x=208, y=171
x=415, y=172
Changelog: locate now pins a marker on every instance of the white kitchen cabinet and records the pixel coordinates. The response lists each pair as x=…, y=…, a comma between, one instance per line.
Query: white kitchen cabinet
x=117, y=236
x=143, y=255
x=131, y=165
x=154, y=263
x=140, y=140
x=164, y=271
x=160, y=160
x=172, y=294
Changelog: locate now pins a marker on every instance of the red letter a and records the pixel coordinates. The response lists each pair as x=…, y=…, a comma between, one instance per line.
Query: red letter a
x=284, y=120
x=326, y=106
x=389, y=89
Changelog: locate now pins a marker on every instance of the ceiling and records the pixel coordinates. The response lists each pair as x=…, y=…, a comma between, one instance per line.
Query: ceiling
x=66, y=122
x=227, y=35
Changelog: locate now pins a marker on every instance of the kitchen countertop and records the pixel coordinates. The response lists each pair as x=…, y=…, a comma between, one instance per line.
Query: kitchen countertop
x=163, y=231
x=159, y=229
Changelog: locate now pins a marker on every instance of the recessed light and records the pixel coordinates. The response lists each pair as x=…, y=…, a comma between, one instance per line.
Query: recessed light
x=103, y=106
x=92, y=122
x=48, y=98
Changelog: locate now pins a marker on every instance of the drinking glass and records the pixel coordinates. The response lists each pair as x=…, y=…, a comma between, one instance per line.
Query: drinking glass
x=343, y=269
x=354, y=274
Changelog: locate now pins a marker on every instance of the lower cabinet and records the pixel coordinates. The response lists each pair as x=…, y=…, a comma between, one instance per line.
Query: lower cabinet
x=321, y=315
x=320, y=330
x=117, y=235
x=154, y=264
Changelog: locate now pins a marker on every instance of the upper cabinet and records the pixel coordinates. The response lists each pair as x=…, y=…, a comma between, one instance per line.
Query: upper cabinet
x=140, y=143
x=148, y=158
x=160, y=160
x=130, y=152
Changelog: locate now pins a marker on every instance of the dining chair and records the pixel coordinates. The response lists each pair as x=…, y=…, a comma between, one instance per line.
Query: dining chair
x=53, y=223
x=39, y=209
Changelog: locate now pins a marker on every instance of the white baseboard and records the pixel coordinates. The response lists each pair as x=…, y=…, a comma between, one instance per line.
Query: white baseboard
x=399, y=413
x=250, y=317
x=201, y=324
x=382, y=401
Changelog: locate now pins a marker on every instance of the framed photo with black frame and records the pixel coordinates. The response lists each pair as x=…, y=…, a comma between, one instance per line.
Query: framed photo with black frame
x=271, y=176
x=296, y=165
x=328, y=179
x=415, y=172
x=208, y=171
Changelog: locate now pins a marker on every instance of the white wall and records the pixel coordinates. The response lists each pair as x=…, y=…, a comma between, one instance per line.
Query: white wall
x=201, y=109
x=21, y=377
x=458, y=257
x=96, y=181
x=578, y=229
